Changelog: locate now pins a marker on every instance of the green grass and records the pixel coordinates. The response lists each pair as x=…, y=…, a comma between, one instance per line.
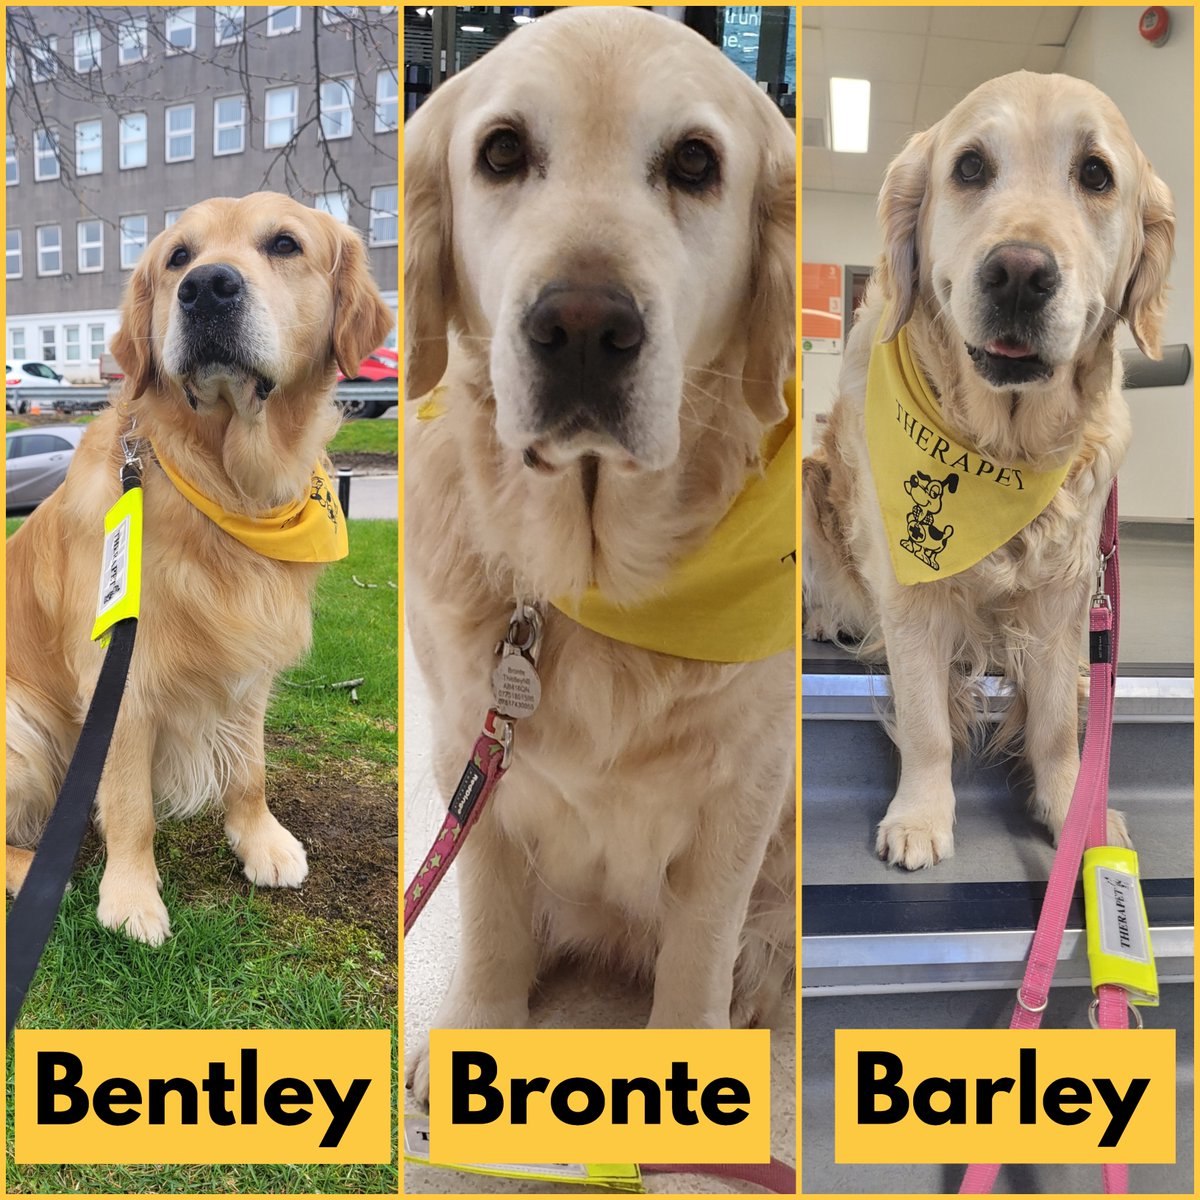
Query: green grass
x=376, y=436
x=235, y=959
x=354, y=636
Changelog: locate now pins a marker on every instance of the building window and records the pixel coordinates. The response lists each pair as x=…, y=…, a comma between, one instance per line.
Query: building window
x=181, y=31
x=133, y=241
x=95, y=342
x=385, y=216
x=230, y=22
x=171, y=216
x=45, y=155
x=89, y=147
x=49, y=250
x=282, y=18
x=229, y=125
x=90, y=242
x=387, y=107
x=49, y=340
x=331, y=14
x=281, y=116
x=44, y=59
x=87, y=50
x=180, y=131
x=337, y=108
x=12, y=168
x=133, y=41
x=12, y=255
x=18, y=342
x=133, y=141
x=336, y=204
x=72, y=336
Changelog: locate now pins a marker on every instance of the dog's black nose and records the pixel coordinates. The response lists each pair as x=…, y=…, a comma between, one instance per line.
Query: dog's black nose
x=1019, y=277
x=577, y=330
x=211, y=290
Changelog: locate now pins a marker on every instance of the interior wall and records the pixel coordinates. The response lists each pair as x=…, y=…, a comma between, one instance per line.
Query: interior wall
x=1104, y=48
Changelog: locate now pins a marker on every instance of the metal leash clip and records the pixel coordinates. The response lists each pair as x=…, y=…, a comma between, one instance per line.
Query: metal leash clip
x=132, y=466
x=1100, y=598
x=516, y=687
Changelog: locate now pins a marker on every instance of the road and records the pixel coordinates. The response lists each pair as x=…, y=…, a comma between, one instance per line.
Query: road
x=374, y=496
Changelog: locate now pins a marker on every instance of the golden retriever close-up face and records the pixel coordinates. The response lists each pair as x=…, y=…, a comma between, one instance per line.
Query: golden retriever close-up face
x=601, y=253
x=232, y=328
x=1031, y=203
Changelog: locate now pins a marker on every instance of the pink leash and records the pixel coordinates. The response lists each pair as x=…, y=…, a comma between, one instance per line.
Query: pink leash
x=1086, y=826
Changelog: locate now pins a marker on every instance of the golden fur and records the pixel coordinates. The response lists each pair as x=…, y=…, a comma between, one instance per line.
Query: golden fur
x=1022, y=608
x=649, y=814
x=219, y=621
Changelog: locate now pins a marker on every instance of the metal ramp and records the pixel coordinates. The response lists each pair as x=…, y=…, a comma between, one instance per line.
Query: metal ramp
x=945, y=947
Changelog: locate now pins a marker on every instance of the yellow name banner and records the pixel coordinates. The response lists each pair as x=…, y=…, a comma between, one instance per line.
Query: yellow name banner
x=1004, y=1096
x=600, y=1096
x=203, y=1096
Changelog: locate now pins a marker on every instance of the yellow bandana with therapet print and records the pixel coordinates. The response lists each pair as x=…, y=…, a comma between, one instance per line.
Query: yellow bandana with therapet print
x=734, y=598
x=945, y=506
x=311, y=529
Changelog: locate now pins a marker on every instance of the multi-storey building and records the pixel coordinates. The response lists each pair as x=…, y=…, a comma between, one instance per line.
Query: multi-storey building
x=120, y=118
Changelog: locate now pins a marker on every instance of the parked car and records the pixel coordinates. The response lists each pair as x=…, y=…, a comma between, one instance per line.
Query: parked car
x=27, y=375
x=36, y=462
x=380, y=366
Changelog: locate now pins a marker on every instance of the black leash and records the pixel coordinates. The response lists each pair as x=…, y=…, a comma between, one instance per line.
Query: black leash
x=31, y=918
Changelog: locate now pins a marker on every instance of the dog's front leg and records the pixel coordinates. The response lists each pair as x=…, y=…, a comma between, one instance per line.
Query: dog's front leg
x=1051, y=684
x=702, y=925
x=918, y=828
x=129, y=899
x=498, y=956
x=270, y=855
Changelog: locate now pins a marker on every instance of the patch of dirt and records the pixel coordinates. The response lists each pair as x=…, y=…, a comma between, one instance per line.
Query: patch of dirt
x=365, y=462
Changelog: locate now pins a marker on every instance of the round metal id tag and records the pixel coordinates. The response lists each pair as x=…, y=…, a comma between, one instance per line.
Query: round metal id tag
x=516, y=686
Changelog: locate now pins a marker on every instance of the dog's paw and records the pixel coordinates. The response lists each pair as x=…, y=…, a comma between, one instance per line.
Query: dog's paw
x=913, y=844
x=137, y=912
x=416, y=1076
x=1118, y=832
x=271, y=856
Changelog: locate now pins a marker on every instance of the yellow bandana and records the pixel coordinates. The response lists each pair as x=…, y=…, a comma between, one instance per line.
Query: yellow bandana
x=734, y=598
x=945, y=506
x=311, y=529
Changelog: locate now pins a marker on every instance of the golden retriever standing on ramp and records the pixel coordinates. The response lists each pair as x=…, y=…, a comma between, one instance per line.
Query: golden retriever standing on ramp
x=600, y=272
x=232, y=329
x=1017, y=232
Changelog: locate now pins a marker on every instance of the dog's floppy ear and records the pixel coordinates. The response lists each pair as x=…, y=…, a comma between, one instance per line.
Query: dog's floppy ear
x=900, y=202
x=771, y=340
x=131, y=343
x=428, y=255
x=361, y=320
x=1145, y=302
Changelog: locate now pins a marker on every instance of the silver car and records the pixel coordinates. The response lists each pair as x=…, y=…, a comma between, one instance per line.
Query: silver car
x=36, y=462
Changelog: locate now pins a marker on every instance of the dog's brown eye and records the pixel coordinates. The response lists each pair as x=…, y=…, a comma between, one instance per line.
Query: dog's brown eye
x=693, y=163
x=504, y=152
x=284, y=244
x=180, y=257
x=970, y=167
x=1095, y=175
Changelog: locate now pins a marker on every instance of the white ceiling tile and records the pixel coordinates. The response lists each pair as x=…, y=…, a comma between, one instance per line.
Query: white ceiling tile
x=816, y=175
x=888, y=137
x=954, y=62
x=1013, y=25
x=933, y=103
x=879, y=57
x=813, y=17
x=880, y=19
x=861, y=173
x=1054, y=26
x=894, y=101
x=814, y=93
x=1045, y=59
